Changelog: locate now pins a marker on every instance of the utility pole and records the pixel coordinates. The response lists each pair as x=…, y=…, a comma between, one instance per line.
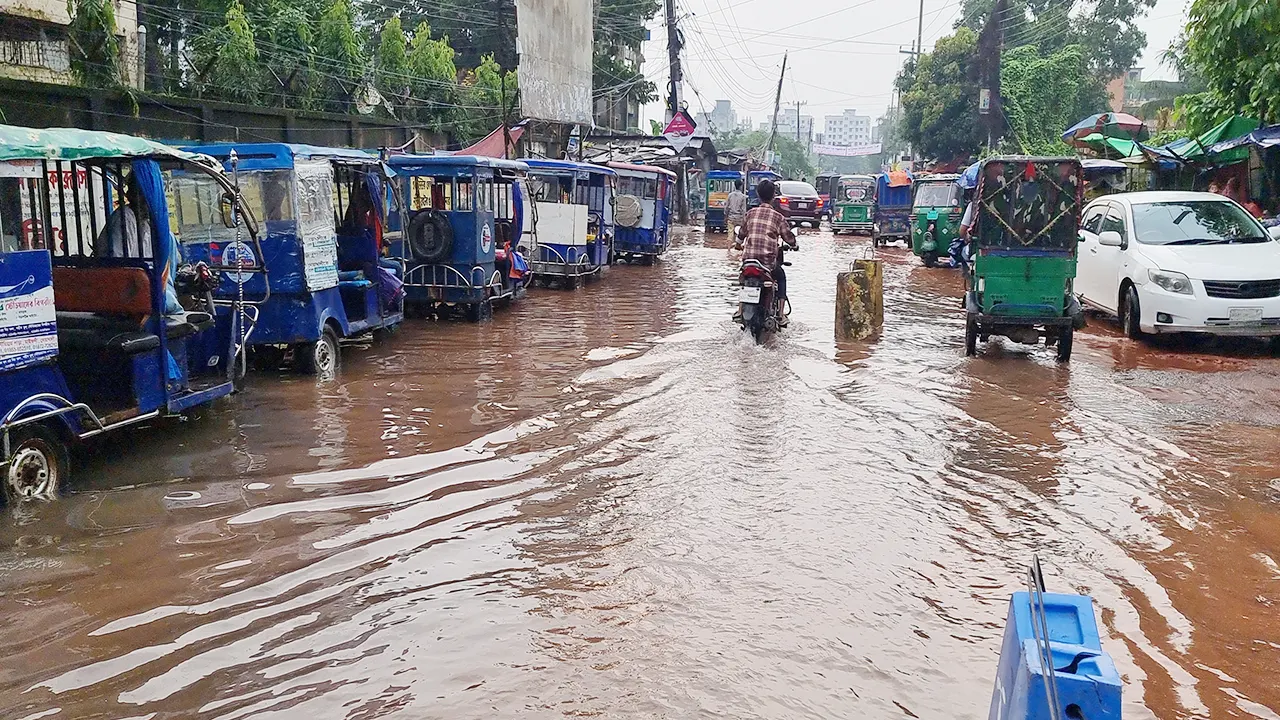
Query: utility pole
x=506, y=120
x=673, y=56
x=920, y=33
x=673, y=106
x=777, y=103
x=990, y=44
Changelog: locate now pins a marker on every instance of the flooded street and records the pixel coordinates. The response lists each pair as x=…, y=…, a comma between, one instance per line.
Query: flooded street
x=609, y=504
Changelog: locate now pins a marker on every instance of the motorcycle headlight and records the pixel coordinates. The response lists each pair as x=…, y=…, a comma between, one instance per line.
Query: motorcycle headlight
x=1174, y=282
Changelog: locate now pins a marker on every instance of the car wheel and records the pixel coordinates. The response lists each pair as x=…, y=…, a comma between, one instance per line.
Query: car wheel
x=1131, y=314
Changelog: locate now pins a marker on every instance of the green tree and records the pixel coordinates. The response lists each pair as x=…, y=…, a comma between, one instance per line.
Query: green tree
x=288, y=59
x=336, y=43
x=434, y=84
x=484, y=92
x=391, y=63
x=1106, y=30
x=95, y=51
x=793, y=156
x=619, y=34
x=1231, y=45
x=940, y=99
x=1044, y=95
x=227, y=58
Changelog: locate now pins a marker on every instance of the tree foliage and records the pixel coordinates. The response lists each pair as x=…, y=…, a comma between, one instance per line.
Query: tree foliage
x=940, y=99
x=793, y=156
x=391, y=61
x=227, y=58
x=1044, y=95
x=435, y=77
x=620, y=31
x=1106, y=30
x=337, y=44
x=95, y=51
x=485, y=93
x=1231, y=45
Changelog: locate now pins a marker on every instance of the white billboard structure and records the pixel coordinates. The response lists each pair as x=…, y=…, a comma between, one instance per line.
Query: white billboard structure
x=555, y=43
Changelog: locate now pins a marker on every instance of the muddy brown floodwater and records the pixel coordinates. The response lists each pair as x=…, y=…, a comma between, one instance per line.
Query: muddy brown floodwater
x=606, y=503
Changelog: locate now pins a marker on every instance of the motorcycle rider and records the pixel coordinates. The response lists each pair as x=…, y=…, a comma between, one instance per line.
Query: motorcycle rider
x=759, y=238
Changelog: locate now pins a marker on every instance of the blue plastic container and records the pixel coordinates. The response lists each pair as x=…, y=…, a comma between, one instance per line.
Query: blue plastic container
x=1087, y=682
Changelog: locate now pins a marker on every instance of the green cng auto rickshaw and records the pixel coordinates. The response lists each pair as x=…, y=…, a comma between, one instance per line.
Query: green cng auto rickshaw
x=1023, y=253
x=936, y=212
x=853, y=204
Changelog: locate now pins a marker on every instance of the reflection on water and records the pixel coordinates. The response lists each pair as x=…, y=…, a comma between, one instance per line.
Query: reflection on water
x=609, y=502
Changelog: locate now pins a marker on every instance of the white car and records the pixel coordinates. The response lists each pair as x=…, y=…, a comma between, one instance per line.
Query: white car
x=1169, y=262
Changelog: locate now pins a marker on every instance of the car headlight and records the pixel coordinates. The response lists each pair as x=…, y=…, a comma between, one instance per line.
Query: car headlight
x=1174, y=282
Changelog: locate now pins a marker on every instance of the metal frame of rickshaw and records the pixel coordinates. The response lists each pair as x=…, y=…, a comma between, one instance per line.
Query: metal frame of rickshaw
x=718, y=221
x=444, y=282
x=583, y=267
x=54, y=398
x=664, y=183
x=299, y=317
x=753, y=179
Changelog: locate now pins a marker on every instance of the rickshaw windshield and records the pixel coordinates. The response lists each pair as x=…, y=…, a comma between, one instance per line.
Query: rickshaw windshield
x=855, y=191
x=551, y=188
x=723, y=186
x=643, y=188
x=593, y=196
x=432, y=192
x=945, y=194
x=197, y=209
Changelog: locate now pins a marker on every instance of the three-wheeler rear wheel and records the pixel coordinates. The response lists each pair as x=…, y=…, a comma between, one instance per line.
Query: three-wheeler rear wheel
x=970, y=334
x=1065, y=338
x=321, y=358
x=39, y=464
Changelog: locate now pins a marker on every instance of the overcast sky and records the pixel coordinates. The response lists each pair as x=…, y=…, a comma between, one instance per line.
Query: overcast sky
x=843, y=53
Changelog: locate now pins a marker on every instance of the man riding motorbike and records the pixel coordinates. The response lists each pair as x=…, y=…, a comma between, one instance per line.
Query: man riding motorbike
x=759, y=238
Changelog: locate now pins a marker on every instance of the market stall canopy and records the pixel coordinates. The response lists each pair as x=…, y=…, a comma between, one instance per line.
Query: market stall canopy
x=969, y=178
x=1107, y=124
x=1198, y=147
x=1262, y=138
x=23, y=143
x=492, y=144
x=1103, y=143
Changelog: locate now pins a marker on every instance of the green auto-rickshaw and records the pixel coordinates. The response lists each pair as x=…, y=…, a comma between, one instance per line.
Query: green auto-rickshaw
x=1023, y=253
x=936, y=211
x=853, y=204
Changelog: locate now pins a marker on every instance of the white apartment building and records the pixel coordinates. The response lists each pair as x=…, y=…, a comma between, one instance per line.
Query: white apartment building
x=787, y=125
x=34, y=46
x=722, y=118
x=847, y=128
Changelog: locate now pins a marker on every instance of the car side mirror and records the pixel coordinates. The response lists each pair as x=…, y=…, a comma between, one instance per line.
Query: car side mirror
x=1110, y=238
x=1274, y=232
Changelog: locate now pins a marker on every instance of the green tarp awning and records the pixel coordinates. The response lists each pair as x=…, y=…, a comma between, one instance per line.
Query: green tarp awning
x=22, y=143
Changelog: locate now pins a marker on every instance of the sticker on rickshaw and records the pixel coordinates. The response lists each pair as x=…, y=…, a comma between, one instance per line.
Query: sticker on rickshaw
x=486, y=239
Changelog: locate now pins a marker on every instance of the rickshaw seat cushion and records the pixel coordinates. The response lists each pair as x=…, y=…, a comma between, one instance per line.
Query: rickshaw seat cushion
x=108, y=340
x=121, y=291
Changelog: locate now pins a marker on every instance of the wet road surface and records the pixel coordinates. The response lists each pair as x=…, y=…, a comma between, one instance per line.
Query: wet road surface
x=606, y=503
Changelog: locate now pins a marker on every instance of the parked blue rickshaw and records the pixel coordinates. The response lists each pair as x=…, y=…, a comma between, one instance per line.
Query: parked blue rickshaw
x=460, y=220
x=753, y=179
x=103, y=321
x=574, y=230
x=641, y=212
x=323, y=211
x=720, y=183
x=893, y=208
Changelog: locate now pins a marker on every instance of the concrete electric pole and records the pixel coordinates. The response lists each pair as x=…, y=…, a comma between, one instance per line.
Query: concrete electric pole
x=777, y=103
x=673, y=106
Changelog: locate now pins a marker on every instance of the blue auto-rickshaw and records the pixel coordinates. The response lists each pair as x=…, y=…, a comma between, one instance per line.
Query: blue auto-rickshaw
x=641, y=212
x=459, y=222
x=753, y=179
x=573, y=235
x=893, y=208
x=323, y=211
x=103, y=321
x=720, y=183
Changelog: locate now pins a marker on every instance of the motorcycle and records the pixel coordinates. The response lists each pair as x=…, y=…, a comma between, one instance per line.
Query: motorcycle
x=759, y=309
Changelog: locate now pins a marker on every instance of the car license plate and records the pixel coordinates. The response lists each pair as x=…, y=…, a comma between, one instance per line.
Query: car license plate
x=1245, y=315
x=749, y=295
x=803, y=205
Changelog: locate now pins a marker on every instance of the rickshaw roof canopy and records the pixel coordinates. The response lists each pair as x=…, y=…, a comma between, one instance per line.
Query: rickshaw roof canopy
x=260, y=156
x=23, y=143
x=896, y=178
x=633, y=168
x=859, y=177
x=547, y=165
x=457, y=161
x=939, y=177
x=724, y=175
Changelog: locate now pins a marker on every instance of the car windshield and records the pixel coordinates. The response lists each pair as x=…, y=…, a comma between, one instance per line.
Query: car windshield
x=1194, y=222
x=938, y=195
x=796, y=188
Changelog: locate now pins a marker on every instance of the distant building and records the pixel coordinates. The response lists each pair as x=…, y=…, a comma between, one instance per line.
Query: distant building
x=1125, y=91
x=744, y=124
x=847, y=128
x=613, y=111
x=34, y=45
x=721, y=119
x=787, y=125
